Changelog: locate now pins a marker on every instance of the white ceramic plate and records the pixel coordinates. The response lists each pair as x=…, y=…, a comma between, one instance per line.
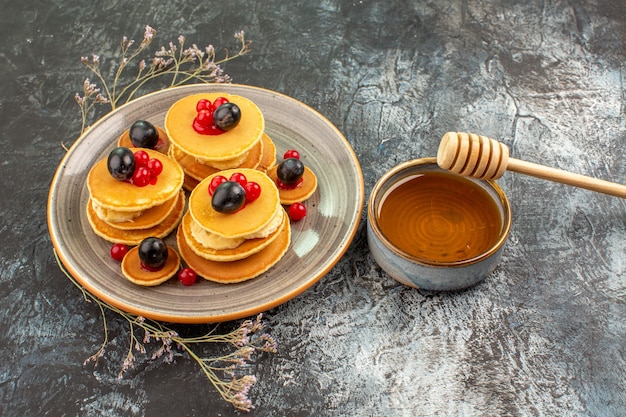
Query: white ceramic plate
x=318, y=241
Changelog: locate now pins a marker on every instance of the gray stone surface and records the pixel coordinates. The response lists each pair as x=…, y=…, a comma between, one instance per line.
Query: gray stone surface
x=544, y=335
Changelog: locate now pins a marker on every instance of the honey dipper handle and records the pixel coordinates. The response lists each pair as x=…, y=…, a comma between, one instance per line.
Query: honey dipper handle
x=565, y=177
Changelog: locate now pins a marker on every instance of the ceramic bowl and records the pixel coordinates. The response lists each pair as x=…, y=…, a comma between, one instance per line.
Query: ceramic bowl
x=421, y=271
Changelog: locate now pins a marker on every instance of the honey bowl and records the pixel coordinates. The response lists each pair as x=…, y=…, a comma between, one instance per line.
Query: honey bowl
x=435, y=230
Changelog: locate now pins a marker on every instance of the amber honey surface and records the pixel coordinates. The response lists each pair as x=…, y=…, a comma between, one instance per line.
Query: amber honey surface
x=440, y=218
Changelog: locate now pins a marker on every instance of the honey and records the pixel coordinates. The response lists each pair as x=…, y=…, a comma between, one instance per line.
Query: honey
x=440, y=218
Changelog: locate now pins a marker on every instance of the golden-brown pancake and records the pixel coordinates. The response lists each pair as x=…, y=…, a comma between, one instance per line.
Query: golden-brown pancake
x=236, y=271
x=162, y=145
x=150, y=217
x=245, y=249
x=134, y=237
x=114, y=194
x=190, y=183
x=200, y=171
x=135, y=273
x=228, y=145
x=269, y=154
x=253, y=217
x=301, y=192
x=196, y=172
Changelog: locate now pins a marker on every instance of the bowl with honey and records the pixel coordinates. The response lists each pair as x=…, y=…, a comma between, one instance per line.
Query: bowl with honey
x=435, y=230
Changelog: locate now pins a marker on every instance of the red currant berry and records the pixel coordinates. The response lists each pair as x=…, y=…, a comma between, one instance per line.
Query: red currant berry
x=203, y=104
x=205, y=118
x=253, y=191
x=155, y=166
x=141, y=158
x=239, y=177
x=291, y=153
x=297, y=211
x=141, y=177
x=187, y=276
x=215, y=182
x=219, y=101
x=118, y=251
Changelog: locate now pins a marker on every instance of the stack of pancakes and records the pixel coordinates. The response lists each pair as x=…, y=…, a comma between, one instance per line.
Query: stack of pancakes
x=202, y=155
x=122, y=212
x=234, y=247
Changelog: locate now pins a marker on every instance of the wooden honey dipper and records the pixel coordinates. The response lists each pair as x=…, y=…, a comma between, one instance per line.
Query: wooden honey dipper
x=477, y=156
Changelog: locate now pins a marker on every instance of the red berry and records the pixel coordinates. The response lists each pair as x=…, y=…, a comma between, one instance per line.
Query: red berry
x=118, y=251
x=187, y=276
x=239, y=177
x=297, y=211
x=215, y=182
x=141, y=177
x=204, y=104
x=205, y=118
x=253, y=191
x=219, y=101
x=155, y=166
x=141, y=158
x=291, y=153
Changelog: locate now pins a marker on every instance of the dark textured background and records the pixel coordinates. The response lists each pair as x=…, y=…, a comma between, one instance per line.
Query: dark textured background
x=544, y=335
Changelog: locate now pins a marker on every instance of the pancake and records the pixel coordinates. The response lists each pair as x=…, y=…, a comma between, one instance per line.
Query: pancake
x=196, y=171
x=150, y=217
x=268, y=159
x=134, y=237
x=190, y=183
x=301, y=192
x=135, y=273
x=244, y=250
x=118, y=195
x=162, y=145
x=252, y=218
x=200, y=171
x=211, y=148
x=236, y=271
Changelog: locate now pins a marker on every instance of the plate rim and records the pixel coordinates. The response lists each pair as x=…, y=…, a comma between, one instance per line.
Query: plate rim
x=222, y=317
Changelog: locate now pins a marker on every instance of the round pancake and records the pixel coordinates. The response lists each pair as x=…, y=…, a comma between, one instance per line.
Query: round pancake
x=228, y=145
x=301, y=192
x=190, y=183
x=134, y=237
x=150, y=217
x=162, y=145
x=135, y=273
x=236, y=271
x=123, y=196
x=252, y=218
x=269, y=154
x=200, y=171
x=247, y=248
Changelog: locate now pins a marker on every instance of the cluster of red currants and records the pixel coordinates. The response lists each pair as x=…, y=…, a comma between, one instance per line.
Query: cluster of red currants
x=147, y=169
x=217, y=117
x=232, y=194
x=136, y=168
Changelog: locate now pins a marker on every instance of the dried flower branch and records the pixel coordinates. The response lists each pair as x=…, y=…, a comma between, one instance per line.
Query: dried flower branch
x=247, y=339
x=91, y=96
x=182, y=64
